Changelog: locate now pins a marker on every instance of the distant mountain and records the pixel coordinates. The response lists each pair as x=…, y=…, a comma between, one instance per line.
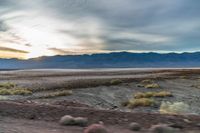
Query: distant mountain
x=108, y=60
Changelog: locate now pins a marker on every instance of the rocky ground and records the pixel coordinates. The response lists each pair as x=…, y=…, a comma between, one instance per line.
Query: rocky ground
x=97, y=97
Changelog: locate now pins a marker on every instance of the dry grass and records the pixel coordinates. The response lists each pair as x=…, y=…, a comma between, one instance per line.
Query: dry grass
x=152, y=86
x=9, y=88
x=153, y=94
x=147, y=83
x=58, y=94
x=174, y=108
x=115, y=81
x=183, y=77
x=7, y=85
x=142, y=102
x=17, y=91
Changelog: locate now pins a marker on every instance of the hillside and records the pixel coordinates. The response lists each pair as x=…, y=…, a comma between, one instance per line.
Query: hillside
x=109, y=60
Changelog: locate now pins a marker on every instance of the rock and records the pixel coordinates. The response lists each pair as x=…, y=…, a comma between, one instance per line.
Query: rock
x=81, y=121
x=101, y=122
x=176, y=125
x=96, y=128
x=134, y=126
x=162, y=128
x=198, y=124
x=67, y=120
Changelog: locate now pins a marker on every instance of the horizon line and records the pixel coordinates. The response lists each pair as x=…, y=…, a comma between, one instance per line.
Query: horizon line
x=133, y=52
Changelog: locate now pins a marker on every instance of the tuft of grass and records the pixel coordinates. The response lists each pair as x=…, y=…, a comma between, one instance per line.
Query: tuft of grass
x=151, y=86
x=115, y=81
x=153, y=94
x=163, y=94
x=17, y=91
x=21, y=91
x=7, y=85
x=174, y=108
x=183, y=77
x=5, y=92
x=142, y=102
x=58, y=94
x=147, y=81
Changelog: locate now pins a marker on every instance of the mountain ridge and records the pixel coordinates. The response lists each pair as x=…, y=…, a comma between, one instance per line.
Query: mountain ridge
x=106, y=60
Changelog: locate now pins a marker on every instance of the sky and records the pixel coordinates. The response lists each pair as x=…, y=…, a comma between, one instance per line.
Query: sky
x=33, y=28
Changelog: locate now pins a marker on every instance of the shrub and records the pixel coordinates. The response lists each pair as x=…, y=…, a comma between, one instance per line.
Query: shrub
x=57, y=94
x=132, y=103
x=5, y=92
x=147, y=81
x=152, y=94
x=163, y=94
x=174, y=108
x=153, y=85
x=21, y=91
x=7, y=85
x=17, y=91
x=115, y=81
x=183, y=77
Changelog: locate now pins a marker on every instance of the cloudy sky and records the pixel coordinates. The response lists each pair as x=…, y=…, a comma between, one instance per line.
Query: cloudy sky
x=32, y=28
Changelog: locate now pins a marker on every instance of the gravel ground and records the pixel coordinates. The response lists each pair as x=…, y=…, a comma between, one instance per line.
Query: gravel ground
x=92, y=90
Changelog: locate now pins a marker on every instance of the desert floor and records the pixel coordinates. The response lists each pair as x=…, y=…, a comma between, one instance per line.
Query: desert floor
x=97, y=94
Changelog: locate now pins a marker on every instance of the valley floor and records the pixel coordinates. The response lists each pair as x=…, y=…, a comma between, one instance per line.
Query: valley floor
x=97, y=95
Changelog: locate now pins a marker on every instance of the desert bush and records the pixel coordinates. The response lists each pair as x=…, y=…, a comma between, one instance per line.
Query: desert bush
x=152, y=94
x=17, y=91
x=174, y=108
x=57, y=94
x=151, y=86
x=132, y=103
x=183, y=77
x=5, y=92
x=147, y=81
x=7, y=85
x=21, y=91
x=115, y=81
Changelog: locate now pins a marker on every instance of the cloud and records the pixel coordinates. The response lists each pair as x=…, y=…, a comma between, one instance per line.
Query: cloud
x=12, y=50
x=68, y=26
x=62, y=51
x=3, y=26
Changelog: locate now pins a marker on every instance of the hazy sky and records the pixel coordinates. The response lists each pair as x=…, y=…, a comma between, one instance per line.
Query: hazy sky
x=32, y=28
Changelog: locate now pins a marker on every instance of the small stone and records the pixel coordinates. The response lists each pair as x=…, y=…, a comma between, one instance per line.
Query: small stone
x=67, y=120
x=187, y=121
x=101, y=122
x=96, y=128
x=81, y=121
x=162, y=128
x=176, y=125
x=134, y=126
x=198, y=124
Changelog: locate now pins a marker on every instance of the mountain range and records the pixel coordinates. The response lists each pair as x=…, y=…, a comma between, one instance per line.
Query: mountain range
x=107, y=60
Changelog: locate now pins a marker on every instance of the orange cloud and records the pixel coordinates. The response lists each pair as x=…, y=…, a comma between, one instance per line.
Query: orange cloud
x=12, y=53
